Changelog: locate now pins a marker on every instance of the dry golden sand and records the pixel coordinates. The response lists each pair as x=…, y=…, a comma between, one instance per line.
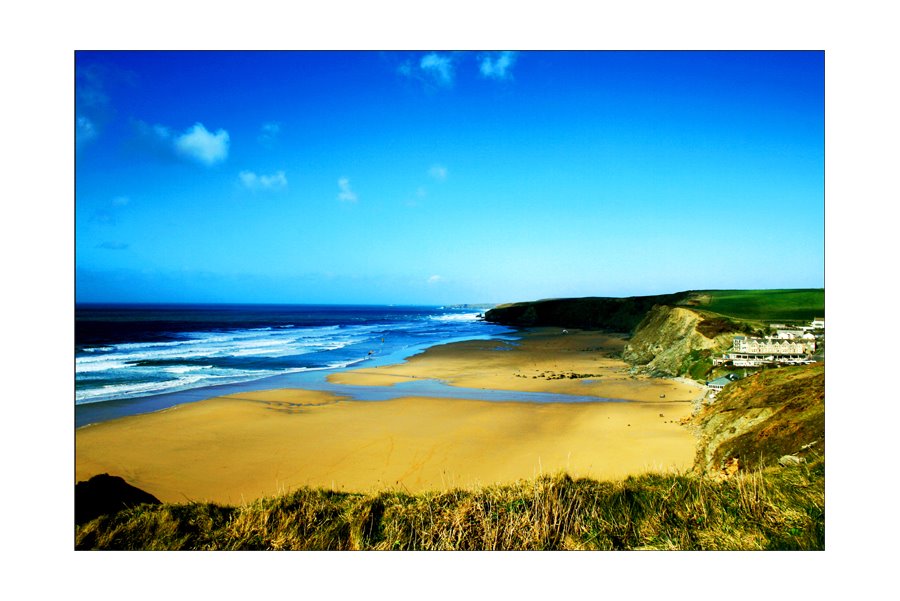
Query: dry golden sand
x=240, y=447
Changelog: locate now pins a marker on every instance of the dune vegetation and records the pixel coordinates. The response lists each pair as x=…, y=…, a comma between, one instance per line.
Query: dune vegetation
x=775, y=508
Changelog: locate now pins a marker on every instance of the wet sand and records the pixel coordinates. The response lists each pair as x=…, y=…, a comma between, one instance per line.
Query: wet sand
x=541, y=362
x=237, y=448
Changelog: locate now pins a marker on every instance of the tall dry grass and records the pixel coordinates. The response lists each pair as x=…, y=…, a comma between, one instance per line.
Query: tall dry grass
x=775, y=508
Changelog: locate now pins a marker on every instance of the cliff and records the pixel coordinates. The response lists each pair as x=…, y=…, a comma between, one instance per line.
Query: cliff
x=591, y=313
x=772, y=417
x=677, y=341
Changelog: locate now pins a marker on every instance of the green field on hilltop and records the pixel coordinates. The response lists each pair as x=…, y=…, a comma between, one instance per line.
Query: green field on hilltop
x=766, y=305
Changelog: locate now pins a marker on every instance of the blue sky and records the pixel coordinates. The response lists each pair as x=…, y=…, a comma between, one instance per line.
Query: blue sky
x=442, y=177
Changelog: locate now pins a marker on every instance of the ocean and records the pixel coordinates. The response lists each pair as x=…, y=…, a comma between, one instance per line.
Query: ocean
x=127, y=354
x=132, y=359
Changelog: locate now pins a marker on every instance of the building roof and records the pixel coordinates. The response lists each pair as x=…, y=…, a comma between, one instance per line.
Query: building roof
x=719, y=382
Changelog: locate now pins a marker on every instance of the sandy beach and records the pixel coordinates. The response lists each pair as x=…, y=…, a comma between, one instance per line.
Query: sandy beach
x=236, y=448
x=541, y=361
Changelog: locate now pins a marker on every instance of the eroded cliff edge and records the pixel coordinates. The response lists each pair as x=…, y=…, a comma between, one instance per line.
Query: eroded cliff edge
x=676, y=341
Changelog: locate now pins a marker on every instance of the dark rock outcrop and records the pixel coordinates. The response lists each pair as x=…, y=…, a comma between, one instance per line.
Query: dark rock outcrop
x=104, y=494
x=592, y=313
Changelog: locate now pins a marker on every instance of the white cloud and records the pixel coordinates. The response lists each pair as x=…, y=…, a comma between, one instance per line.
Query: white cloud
x=438, y=172
x=268, y=133
x=434, y=279
x=346, y=194
x=200, y=145
x=438, y=67
x=252, y=181
x=499, y=65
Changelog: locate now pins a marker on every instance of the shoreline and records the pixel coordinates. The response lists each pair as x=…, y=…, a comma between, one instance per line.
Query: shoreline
x=242, y=446
x=540, y=360
x=307, y=378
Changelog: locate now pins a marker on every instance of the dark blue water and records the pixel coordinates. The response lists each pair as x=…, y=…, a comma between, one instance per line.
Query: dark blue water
x=133, y=358
x=138, y=359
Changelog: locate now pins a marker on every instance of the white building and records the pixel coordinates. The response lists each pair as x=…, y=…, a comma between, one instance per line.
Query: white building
x=772, y=346
x=755, y=352
x=818, y=323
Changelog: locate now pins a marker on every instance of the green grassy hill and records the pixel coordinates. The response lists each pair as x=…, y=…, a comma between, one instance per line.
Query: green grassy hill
x=761, y=305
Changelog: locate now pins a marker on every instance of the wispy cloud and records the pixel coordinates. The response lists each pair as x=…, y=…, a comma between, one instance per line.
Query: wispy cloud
x=405, y=69
x=92, y=101
x=498, y=65
x=346, y=194
x=154, y=139
x=268, y=133
x=96, y=85
x=439, y=70
x=198, y=144
x=109, y=214
x=85, y=130
x=439, y=67
x=432, y=70
x=434, y=279
x=90, y=89
x=438, y=172
x=252, y=181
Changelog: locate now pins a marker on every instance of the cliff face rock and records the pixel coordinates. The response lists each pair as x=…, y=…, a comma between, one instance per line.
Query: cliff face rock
x=668, y=335
x=603, y=313
x=764, y=418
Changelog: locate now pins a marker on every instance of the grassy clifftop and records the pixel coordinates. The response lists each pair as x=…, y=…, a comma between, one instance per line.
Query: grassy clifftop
x=754, y=307
x=802, y=304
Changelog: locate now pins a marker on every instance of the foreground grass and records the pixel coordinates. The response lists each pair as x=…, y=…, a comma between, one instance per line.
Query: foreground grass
x=776, y=508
